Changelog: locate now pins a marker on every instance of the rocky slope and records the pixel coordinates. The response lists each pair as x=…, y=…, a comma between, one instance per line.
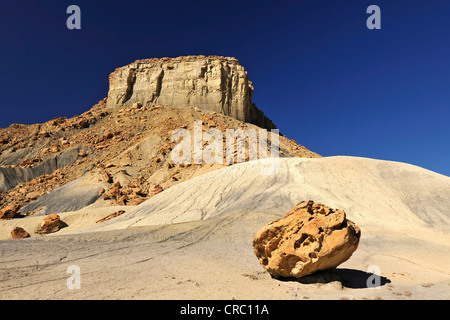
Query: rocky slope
x=104, y=156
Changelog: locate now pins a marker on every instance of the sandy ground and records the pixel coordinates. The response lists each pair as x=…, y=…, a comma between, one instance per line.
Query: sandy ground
x=193, y=241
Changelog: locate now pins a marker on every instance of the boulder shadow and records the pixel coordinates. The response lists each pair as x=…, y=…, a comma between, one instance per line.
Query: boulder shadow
x=349, y=278
x=63, y=225
x=357, y=279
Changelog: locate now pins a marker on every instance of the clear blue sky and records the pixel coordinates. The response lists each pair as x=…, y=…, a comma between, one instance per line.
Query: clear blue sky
x=319, y=73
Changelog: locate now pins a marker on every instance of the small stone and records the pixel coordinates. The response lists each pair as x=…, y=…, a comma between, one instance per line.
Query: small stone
x=82, y=154
x=155, y=189
x=107, y=135
x=19, y=233
x=123, y=199
x=108, y=177
x=125, y=163
x=83, y=123
x=427, y=284
x=33, y=195
x=44, y=134
x=102, y=191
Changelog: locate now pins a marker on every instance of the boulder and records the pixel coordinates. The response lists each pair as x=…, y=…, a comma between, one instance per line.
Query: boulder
x=309, y=238
x=19, y=233
x=33, y=195
x=50, y=224
x=9, y=212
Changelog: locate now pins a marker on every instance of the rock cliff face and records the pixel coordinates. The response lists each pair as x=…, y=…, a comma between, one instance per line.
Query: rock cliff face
x=211, y=83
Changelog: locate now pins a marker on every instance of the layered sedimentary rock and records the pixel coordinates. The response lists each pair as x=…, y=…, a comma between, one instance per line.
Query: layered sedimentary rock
x=311, y=237
x=12, y=176
x=211, y=83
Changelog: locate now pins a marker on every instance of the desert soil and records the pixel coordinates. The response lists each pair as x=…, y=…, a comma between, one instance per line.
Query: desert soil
x=193, y=240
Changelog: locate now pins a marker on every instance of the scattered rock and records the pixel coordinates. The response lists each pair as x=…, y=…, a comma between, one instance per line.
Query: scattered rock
x=123, y=199
x=309, y=238
x=125, y=164
x=33, y=195
x=44, y=134
x=19, y=233
x=155, y=189
x=156, y=160
x=31, y=212
x=108, y=177
x=26, y=163
x=83, y=123
x=82, y=154
x=102, y=191
x=138, y=191
x=427, y=284
x=110, y=165
x=112, y=215
x=107, y=135
x=50, y=224
x=9, y=212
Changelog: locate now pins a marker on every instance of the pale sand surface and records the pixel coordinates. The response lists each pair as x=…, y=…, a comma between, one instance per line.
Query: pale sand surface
x=193, y=241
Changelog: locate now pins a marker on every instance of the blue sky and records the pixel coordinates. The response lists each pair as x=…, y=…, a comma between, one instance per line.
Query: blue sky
x=323, y=78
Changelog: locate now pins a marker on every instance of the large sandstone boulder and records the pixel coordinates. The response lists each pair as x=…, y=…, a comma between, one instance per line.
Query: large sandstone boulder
x=210, y=83
x=311, y=237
